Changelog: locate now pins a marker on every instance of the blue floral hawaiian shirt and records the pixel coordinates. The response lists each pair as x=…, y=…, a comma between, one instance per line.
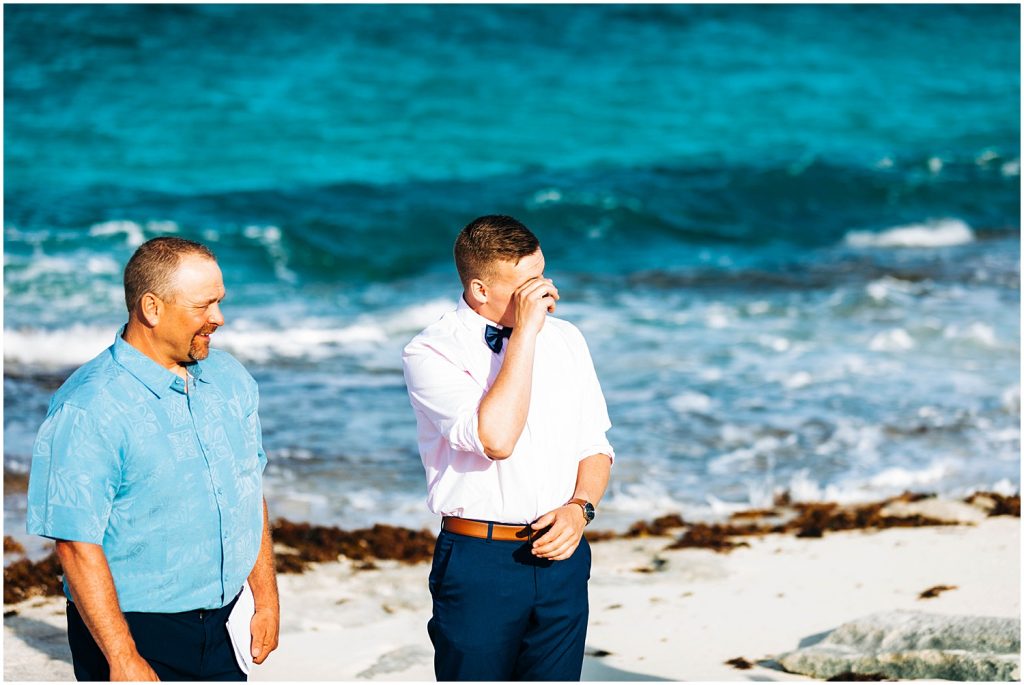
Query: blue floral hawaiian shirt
x=169, y=482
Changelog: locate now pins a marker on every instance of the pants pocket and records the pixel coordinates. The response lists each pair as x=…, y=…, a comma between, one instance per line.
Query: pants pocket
x=443, y=550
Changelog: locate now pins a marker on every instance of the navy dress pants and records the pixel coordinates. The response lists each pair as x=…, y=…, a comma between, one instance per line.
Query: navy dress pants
x=190, y=645
x=502, y=614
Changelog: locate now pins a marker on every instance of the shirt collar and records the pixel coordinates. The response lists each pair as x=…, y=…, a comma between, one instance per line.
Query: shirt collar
x=155, y=377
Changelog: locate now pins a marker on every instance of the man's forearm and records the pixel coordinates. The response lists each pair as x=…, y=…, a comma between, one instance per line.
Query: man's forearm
x=592, y=478
x=265, y=625
x=503, y=410
x=95, y=596
x=263, y=578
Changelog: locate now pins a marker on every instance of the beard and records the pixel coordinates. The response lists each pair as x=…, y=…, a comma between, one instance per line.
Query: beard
x=199, y=348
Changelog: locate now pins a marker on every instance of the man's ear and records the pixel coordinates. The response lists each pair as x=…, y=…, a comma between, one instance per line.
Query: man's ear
x=478, y=289
x=150, y=309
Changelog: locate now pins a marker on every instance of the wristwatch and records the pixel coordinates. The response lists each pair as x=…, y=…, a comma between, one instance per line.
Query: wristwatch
x=588, y=509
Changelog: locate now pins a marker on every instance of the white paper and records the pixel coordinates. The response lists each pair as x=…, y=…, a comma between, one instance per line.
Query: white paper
x=239, y=628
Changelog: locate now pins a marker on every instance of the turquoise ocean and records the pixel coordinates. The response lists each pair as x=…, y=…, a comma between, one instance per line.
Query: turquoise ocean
x=790, y=233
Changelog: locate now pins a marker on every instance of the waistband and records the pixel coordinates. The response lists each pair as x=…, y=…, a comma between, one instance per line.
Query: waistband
x=488, y=530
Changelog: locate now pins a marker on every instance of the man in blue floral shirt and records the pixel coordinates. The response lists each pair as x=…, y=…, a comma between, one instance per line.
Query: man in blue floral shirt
x=148, y=474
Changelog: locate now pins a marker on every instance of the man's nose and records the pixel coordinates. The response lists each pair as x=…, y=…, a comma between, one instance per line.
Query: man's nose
x=216, y=315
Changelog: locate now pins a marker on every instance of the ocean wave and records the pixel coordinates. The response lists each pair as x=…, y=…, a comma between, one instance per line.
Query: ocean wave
x=56, y=348
x=802, y=486
x=134, y=233
x=937, y=233
x=310, y=340
x=318, y=340
x=894, y=340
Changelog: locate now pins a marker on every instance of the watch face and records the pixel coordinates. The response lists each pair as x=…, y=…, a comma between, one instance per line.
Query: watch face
x=588, y=510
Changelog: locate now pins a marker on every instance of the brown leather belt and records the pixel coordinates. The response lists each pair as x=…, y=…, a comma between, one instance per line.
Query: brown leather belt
x=485, y=530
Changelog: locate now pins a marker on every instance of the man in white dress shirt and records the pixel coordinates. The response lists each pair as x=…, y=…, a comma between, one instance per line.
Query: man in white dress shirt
x=511, y=428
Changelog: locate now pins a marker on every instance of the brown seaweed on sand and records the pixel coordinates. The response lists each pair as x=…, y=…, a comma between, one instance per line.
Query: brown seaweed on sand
x=996, y=504
x=849, y=677
x=740, y=663
x=12, y=546
x=659, y=526
x=813, y=519
x=15, y=483
x=26, y=578
x=805, y=520
x=326, y=543
x=934, y=591
x=714, y=537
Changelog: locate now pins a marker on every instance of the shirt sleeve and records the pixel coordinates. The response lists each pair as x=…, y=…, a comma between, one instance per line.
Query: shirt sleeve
x=76, y=471
x=254, y=427
x=594, y=421
x=446, y=396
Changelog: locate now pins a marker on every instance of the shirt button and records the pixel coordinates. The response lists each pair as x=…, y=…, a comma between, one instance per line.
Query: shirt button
x=220, y=491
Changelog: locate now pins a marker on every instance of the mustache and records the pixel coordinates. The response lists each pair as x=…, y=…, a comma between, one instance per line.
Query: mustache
x=207, y=330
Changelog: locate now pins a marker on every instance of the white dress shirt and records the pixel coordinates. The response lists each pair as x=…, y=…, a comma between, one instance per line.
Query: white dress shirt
x=448, y=370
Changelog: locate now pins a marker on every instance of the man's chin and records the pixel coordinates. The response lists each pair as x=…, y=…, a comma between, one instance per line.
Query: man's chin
x=198, y=353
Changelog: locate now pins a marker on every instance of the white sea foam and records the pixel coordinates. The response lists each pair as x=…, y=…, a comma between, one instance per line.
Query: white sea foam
x=802, y=487
x=415, y=317
x=547, y=196
x=774, y=342
x=687, y=402
x=102, y=265
x=37, y=266
x=711, y=374
x=976, y=332
x=56, y=348
x=718, y=315
x=639, y=498
x=1004, y=487
x=1011, y=168
x=894, y=340
x=898, y=477
x=135, y=233
x=853, y=438
x=986, y=157
x=738, y=460
x=250, y=341
x=799, y=379
x=936, y=233
x=888, y=288
x=759, y=307
x=270, y=238
x=294, y=342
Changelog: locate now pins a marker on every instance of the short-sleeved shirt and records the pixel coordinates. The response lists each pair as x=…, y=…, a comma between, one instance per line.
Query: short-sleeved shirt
x=449, y=369
x=168, y=482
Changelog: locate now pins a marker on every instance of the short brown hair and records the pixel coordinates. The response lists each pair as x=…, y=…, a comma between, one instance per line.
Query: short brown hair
x=151, y=268
x=489, y=239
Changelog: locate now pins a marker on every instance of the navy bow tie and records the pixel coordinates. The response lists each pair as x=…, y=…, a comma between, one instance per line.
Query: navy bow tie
x=495, y=337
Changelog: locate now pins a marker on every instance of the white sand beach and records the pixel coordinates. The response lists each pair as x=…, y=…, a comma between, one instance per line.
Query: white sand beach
x=692, y=610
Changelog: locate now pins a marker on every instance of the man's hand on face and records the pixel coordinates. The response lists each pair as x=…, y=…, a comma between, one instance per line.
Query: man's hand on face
x=534, y=300
x=134, y=668
x=561, y=540
x=264, y=626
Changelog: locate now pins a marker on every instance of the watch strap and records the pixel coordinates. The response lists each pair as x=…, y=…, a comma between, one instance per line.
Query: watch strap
x=587, y=507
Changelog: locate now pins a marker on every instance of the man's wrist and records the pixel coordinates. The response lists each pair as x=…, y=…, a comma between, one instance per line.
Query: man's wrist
x=523, y=336
x=125, y=659
x=586, y=508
